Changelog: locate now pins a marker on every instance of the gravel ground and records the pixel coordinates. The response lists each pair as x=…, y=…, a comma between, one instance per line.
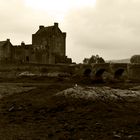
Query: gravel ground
x=41, y=110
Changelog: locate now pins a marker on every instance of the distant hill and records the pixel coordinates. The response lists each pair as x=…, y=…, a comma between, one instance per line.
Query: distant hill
x=119, y=61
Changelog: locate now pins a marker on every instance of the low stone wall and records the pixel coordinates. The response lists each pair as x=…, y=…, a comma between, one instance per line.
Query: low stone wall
x=12, y=70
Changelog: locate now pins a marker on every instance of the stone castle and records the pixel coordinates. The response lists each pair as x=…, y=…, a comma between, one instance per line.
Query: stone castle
x=48, y=50
x=48, y=47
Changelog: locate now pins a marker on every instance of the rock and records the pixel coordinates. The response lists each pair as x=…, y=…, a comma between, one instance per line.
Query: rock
x=98, y=125
x=130, y=136
x=20, y=108
x=117, y=136
x=100, y=93
x=11, y=109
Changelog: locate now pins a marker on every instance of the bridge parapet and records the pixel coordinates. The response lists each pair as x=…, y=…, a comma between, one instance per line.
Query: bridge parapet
x=120, y=71
x=83, y=69
x=99, y=69
x=100, y=64
x=115, y=66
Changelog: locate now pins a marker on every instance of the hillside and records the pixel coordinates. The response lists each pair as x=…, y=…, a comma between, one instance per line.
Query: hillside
x=120, y=61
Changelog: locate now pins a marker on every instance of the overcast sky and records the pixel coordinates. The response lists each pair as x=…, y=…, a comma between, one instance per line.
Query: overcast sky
x=110, y=28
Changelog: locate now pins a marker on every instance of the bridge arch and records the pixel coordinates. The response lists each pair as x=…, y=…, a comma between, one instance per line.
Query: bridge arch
x=118, y=73
x=99, y=75
x=87, y=72
x=100, y=72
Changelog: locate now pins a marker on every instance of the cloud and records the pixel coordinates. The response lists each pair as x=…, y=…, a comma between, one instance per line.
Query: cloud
x=111, y=27
x=18, y=21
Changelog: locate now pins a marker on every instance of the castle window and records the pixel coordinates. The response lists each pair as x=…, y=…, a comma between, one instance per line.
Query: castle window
x=27, y=58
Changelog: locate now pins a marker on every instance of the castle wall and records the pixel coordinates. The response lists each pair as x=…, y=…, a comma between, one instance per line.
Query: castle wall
x=43, y=46
x=53, y=42
x=18, y=54
x=59, y=45
x=6, y=52
x=48, y=47
x=14, y=70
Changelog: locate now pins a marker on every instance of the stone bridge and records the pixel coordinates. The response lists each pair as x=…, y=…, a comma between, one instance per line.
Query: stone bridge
x=119, y=69
x=115, y=70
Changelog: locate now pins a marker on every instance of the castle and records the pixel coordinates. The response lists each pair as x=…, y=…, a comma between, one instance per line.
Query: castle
x=48, y=47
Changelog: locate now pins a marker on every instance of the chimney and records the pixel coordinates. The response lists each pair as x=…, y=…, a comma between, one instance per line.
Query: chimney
x=8, y=40
x=56, y=24
x=22, y=43
x=64, y=34
x=41, y=27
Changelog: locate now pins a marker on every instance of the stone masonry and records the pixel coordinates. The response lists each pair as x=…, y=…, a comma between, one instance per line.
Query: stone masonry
x=48, y=47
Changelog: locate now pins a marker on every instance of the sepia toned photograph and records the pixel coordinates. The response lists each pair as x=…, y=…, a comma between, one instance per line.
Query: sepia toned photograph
x=70, y=70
